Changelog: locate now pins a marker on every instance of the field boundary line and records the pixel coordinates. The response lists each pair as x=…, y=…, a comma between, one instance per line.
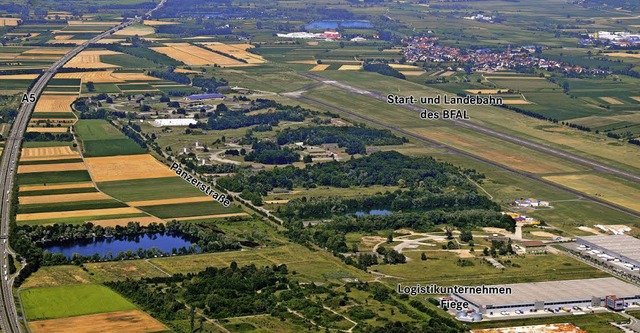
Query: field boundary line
x=158, y=268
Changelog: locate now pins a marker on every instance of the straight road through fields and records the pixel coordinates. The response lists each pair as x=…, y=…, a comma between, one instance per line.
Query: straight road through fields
x=9, y=321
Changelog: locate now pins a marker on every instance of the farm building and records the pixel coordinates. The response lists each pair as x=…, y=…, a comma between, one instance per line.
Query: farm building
x=623, y=247
x=533, y=246
x=174, y=122
x=541, y=296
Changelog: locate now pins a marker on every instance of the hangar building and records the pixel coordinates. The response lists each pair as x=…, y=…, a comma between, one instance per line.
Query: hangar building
x=623, y=247
x=540, y=296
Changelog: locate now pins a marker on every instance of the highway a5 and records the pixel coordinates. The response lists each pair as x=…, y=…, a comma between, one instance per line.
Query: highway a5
x=9, y=321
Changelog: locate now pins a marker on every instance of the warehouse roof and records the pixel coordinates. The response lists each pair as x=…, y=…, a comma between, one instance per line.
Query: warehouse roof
x=204, y=96
x=624, y=245
x=556, y=291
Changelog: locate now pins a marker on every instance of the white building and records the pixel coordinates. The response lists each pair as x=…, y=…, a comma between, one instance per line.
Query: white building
x=174, y=122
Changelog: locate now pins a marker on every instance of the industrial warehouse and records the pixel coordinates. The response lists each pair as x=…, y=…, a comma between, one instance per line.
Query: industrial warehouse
x=554, y=296
x=618, y=248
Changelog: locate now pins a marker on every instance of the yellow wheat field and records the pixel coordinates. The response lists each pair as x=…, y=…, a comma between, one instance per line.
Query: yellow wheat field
x=186, y=71
x=637, y=98
x=131, y=321
x=194, y=55
x=318, y=68
x=134, y=77
x=43, y=153
x=168, y=201
x=104, y=169
x=515, y=101
x=77, y=213
x=403, y=66
x=48, y=129
x=19, y=77
x=90, y=59
x=40, y=199
x=107, y=76
x=412, y=73
x=55, y=103
x=51, y=167
x=623, y=55
x=611, y=100
x=216, y=216
x=606, y=189
x=96, y=77
x=139, y=30
x=58, y=51
x=350, y=68
x=154, y=23
x=68, y=41
x=143, y=220
x=8, y=56
x=63, y=37
x=447, y=73
x=237, y=50
x=9, y=21
x=54, y=187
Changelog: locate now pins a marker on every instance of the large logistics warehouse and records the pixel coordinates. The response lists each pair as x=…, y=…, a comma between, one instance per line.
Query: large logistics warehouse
x=540, y=296
x=623, y=247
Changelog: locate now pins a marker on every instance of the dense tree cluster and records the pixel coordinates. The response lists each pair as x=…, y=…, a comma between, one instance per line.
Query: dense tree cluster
x=381, y=168
x=35, y=136
x=383, y=69
x=221, y=293
x=354, y=138
x=398, y=201
x=267, y=152
x=170, y=75
x=236, y=119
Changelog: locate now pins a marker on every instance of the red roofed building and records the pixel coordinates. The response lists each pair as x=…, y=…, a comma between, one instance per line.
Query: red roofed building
x=332, y=34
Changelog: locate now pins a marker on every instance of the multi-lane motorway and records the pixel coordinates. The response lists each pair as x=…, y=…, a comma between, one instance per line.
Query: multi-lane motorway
x=9, y=321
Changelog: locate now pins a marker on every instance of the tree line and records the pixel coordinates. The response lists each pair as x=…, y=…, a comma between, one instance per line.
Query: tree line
x=354, y=138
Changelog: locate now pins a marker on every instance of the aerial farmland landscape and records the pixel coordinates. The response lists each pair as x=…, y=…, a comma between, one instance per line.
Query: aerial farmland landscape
x=352, y=166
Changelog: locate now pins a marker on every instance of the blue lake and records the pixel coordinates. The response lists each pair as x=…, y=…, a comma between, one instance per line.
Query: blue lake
x=374, y=212
x=163, y=242
x=339, y=24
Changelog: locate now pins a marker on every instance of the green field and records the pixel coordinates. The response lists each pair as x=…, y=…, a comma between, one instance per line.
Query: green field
x=38, y=144
x=190, y=209
x=72, y=300
x=68, y=206
x=135, y=86
x=58, y=191
x=100, y=138
x=64, y=82
x=53, y=177
x=441, y=268
x=71, y=160
x=307, y=265
x=149, y=189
